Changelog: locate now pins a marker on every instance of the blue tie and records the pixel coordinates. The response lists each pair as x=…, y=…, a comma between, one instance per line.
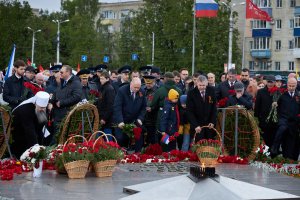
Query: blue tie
x=65, y=83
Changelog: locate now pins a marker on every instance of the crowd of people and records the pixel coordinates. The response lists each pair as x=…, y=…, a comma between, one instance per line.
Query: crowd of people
x=170, y=108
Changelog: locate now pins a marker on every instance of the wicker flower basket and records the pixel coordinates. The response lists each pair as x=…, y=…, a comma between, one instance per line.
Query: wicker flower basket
x=76, y=169
x=209, y=153
x=104, y=168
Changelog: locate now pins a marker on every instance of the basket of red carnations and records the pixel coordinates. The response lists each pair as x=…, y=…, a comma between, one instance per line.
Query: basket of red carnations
x=76, y=157
x=105, y=155
x=208, y=150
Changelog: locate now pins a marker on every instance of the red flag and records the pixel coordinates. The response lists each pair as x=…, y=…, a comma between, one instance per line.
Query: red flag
x=41, y=69
x=78, y=67
x=253, y=12
x=28, y=62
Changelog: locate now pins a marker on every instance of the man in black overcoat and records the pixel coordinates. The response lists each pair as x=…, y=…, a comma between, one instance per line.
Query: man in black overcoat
x=129, y=107
x=202, y=109
x=28, y=120
x=263, y=106
x=287, y=134
x=68, y=94
x=14, y=91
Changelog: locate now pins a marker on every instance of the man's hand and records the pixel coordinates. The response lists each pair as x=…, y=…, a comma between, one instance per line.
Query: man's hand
x=102, y=122
x=274, y=104
x=58, y=104
x=121, y=125
x=198, y=129
x=163, y=133
x=211, y=125
x=139, y=122
x=50, y=106
x=148, y=109
x=238, y=95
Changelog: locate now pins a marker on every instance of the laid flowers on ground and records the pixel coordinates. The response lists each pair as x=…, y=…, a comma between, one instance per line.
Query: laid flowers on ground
x=34, y=155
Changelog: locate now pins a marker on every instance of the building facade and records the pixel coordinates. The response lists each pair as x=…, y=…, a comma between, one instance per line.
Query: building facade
x=273, y=46
x=112, y=14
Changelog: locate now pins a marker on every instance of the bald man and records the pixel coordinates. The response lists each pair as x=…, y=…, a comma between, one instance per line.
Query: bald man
x=129, y=107
x=287, y=134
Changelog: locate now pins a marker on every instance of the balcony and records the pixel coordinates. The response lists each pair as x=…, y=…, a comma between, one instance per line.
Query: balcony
x=262, y=32
x=296, y=53
x=297, y=10
x=262, y=53
x=268, y=10
x=297, y=32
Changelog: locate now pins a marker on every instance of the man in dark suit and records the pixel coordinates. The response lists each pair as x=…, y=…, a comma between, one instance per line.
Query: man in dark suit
x=87, y=86
x=68, y=94
x=288, y=133
x=263, y=105
x=14, y=91
x=202, y=109
x=224, y=88
x=129, y=107
x=28, y=121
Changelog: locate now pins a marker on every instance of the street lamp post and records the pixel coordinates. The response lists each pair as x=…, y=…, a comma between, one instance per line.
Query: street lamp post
x=230, y=7
x=58, y=33
x=33, y=39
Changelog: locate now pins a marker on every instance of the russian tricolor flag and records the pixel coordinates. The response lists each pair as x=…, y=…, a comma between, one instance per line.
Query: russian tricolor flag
x=206, y=8
x=165, y=139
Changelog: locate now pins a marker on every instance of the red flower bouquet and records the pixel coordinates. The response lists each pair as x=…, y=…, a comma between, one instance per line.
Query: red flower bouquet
x=222, y=103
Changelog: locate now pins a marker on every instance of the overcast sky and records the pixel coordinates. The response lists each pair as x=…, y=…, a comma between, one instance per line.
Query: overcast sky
x=54, y=5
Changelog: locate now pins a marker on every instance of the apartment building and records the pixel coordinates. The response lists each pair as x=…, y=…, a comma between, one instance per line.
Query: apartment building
x=274, y=46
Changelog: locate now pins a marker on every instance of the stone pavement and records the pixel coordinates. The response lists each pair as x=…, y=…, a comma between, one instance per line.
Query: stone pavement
x=53, y=186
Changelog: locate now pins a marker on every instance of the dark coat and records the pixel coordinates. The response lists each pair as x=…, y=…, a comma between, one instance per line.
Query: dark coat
x=181, y=86
x=118, y=84
x=14, y=91
x=169, y=121
x=26, y=131
x=126, y=109
x=86, y=90
x=51, y=85
x=245, y=100
x=201, y=113
x=106, y=102
x=288, y=108
x=222, y=90
x=150, y=117
x=263, y=104
x=68, y=96
x=159, y=98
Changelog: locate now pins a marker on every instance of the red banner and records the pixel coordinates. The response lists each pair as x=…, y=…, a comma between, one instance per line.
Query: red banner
x=253, y=12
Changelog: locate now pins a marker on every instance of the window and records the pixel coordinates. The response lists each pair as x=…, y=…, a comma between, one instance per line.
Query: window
x=297, y=22
x=262, y=3
x=297, y=43
x=278, y=45
x=261, y=43
x=251, y=65
x=292, y=3
x=257, y=24
x=251, y=44
x=291, y=44
x=277, y=66
x=291, y=66
x=108, y=14
x=279, y=3
x=263, y=65
x=125, y=13
x=278, y=24
x=291, y=23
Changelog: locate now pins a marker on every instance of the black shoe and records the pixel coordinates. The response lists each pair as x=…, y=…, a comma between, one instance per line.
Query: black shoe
x=274, y=152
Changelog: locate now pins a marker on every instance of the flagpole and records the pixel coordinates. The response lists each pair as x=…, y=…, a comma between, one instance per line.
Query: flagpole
x=11, y=63
x=194, y=33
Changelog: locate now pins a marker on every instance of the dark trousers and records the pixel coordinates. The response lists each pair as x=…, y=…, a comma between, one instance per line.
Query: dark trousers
x=123, y=140
x=268, y=132
x=169, y=147
x=151, y=137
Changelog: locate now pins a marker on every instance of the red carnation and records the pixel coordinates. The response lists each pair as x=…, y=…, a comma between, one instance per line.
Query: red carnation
x=137, y=131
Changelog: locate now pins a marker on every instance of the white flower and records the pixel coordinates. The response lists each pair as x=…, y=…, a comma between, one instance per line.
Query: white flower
x=148, y=160
x=257, y=150
x=268, y=153
x=33, y=160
